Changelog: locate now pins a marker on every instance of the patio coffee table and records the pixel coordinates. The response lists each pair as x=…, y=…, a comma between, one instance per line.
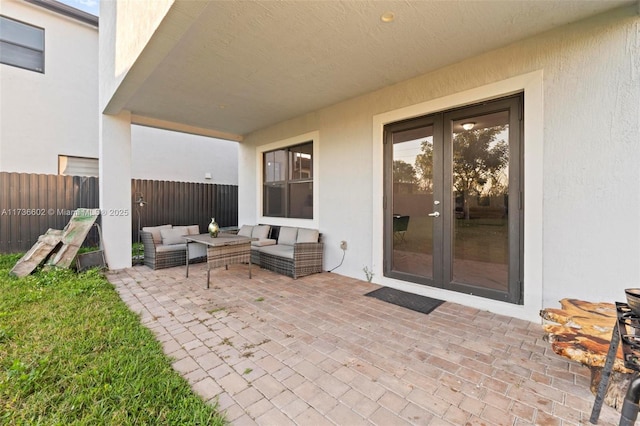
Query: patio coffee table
x=224, y=250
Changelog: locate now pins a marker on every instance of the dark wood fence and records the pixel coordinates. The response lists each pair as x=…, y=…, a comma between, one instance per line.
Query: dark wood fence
x=32, y=203
x=183, y=203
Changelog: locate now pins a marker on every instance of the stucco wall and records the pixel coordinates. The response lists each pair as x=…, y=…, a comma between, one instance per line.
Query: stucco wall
x=136, y=23
x=44, y=115
x=165, y=155
x=56, y=113
x=586, y=164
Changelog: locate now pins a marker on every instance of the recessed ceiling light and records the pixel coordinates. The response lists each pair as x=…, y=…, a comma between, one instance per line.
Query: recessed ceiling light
x=387, y=17
x=468, y=126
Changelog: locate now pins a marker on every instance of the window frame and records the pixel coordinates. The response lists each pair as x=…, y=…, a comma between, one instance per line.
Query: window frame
x=288, y=181
x=444, y=230
x=312, y=135
x=63, y=157
x=25, y=47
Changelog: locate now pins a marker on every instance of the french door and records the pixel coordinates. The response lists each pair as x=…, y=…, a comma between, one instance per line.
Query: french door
x=453, y=199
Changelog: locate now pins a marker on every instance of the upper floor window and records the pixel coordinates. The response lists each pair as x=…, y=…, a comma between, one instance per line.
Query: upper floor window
x=77, y=166
x=21, y=45
x=288, y=182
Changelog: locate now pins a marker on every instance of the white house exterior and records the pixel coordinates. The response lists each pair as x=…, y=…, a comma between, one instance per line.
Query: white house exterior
x=55, y=112
x=53, y=115
x=159, y=154
x=579, y=84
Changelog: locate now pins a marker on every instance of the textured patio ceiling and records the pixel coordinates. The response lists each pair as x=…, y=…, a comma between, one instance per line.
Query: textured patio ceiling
x=237, y=66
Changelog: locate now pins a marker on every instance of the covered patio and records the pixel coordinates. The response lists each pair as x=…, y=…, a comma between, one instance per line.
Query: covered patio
x=276, y=351
x=332, y=76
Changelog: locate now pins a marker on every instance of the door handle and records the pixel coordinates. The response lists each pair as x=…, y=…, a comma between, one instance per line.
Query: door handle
x=434, y=214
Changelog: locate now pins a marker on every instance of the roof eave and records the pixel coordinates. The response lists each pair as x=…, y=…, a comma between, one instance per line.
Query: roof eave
x=68, y=11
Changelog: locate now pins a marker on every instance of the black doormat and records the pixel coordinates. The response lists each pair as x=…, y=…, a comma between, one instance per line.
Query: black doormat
x=411, y=301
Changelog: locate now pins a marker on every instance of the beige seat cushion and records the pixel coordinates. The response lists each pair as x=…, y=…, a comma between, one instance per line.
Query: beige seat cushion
x=280, y=250
x=172, y=247
x=197, y=250
x=263, y=243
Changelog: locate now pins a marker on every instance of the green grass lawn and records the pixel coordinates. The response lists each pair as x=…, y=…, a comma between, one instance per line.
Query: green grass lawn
x=71, y=352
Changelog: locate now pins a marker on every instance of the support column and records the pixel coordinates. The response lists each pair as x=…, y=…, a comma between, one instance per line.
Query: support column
x=115, y=188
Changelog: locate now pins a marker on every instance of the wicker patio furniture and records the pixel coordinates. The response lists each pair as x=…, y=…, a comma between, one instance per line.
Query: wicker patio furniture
x=223, y=250
x=295, y=252
x=159, y=254
x=307, y=259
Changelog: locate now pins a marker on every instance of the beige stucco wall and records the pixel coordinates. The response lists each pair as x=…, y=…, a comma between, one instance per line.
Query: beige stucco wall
x=56, y=113
x=126, y=28
x=165, y=155
x=46, y=114
x=133, y=22
x=581, y=228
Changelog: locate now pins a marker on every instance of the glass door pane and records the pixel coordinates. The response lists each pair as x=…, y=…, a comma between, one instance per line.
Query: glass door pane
x=413, y=185
x=480, y=194
x=453, y=199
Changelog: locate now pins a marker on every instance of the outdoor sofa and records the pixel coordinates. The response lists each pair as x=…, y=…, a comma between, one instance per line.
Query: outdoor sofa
x=165, y=246
x=287, y=250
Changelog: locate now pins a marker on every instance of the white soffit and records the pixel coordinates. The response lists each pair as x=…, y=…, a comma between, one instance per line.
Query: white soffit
x=243, y=65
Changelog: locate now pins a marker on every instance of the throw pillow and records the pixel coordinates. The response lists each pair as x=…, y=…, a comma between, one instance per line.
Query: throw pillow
x=307, y=235
x=155, y=231
x=183, y=229
x=260, y=231
x=172, y=236
x=193, y=230
x=245, y=231
x=287, y=235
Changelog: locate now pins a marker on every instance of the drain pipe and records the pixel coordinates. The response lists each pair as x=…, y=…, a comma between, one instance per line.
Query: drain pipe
x=630, y=407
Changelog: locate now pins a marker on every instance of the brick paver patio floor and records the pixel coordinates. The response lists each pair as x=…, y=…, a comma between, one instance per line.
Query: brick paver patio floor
x=314, y=351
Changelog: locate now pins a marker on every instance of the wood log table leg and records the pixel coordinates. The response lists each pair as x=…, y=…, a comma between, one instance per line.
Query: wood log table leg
x=615, y=391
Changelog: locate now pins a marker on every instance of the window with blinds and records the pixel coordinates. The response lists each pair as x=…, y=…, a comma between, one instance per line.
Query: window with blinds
x=21, y=45
x=77, y=166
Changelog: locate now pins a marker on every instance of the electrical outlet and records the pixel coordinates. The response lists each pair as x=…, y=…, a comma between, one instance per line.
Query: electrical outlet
x=343, y=245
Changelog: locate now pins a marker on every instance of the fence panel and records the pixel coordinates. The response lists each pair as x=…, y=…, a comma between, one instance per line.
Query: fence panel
x=32, y=203
x=183, y=203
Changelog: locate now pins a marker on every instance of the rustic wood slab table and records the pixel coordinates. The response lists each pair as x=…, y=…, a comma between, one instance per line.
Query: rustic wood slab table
x=582, y=331
x=224, y=250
